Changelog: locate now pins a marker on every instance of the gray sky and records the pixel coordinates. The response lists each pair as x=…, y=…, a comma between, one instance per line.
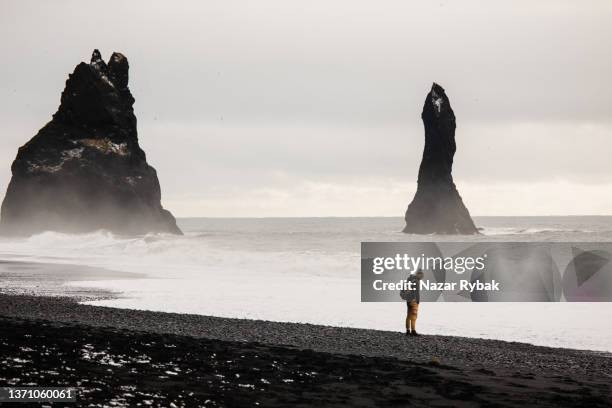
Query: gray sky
x=312, y=108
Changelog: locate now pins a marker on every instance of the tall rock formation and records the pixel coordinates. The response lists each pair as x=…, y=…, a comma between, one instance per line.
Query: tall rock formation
x=437, y=207
x=84, y=170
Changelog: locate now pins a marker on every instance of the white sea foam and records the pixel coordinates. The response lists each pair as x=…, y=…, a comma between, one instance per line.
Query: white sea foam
x=494, y=231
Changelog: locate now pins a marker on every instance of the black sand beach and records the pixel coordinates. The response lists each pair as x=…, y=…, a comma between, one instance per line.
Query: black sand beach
x=136, y=358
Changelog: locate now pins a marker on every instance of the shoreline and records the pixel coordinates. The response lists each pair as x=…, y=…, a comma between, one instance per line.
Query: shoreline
x=46, y=279
x=465, y=351
x=121, y=357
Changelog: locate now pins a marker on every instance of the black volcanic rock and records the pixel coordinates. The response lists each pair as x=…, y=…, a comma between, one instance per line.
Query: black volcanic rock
x=437, y=206
x=84, y=170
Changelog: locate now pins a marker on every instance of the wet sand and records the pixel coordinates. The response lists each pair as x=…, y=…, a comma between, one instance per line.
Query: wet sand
x=49, y=279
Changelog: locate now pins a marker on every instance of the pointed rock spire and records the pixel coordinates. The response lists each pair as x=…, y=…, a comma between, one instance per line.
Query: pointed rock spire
x=97, y=62
x=437, y=206
x=118, y=69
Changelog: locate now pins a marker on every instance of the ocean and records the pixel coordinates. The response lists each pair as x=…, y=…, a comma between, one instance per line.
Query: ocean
x=308, y=270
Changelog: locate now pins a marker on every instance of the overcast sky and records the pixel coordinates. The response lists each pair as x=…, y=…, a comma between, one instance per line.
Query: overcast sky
x=312, y=107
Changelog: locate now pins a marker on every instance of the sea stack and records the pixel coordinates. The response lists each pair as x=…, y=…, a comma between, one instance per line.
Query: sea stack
x=437, y=207
x=84, y=170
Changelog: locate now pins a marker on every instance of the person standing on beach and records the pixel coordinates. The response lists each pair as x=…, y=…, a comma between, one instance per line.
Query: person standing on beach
x=412, y=298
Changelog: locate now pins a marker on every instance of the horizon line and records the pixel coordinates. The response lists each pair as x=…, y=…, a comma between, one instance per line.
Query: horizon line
x=387, y=216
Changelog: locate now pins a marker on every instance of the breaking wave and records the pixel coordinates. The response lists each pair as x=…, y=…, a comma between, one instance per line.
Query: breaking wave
x=529, y=231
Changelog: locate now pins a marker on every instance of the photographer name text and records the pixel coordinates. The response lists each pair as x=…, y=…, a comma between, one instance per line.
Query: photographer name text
x=463, y=285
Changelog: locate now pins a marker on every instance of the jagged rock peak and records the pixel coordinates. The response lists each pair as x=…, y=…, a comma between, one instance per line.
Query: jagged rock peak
x=97, y=95
x=85, y=170
x=116, y=72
